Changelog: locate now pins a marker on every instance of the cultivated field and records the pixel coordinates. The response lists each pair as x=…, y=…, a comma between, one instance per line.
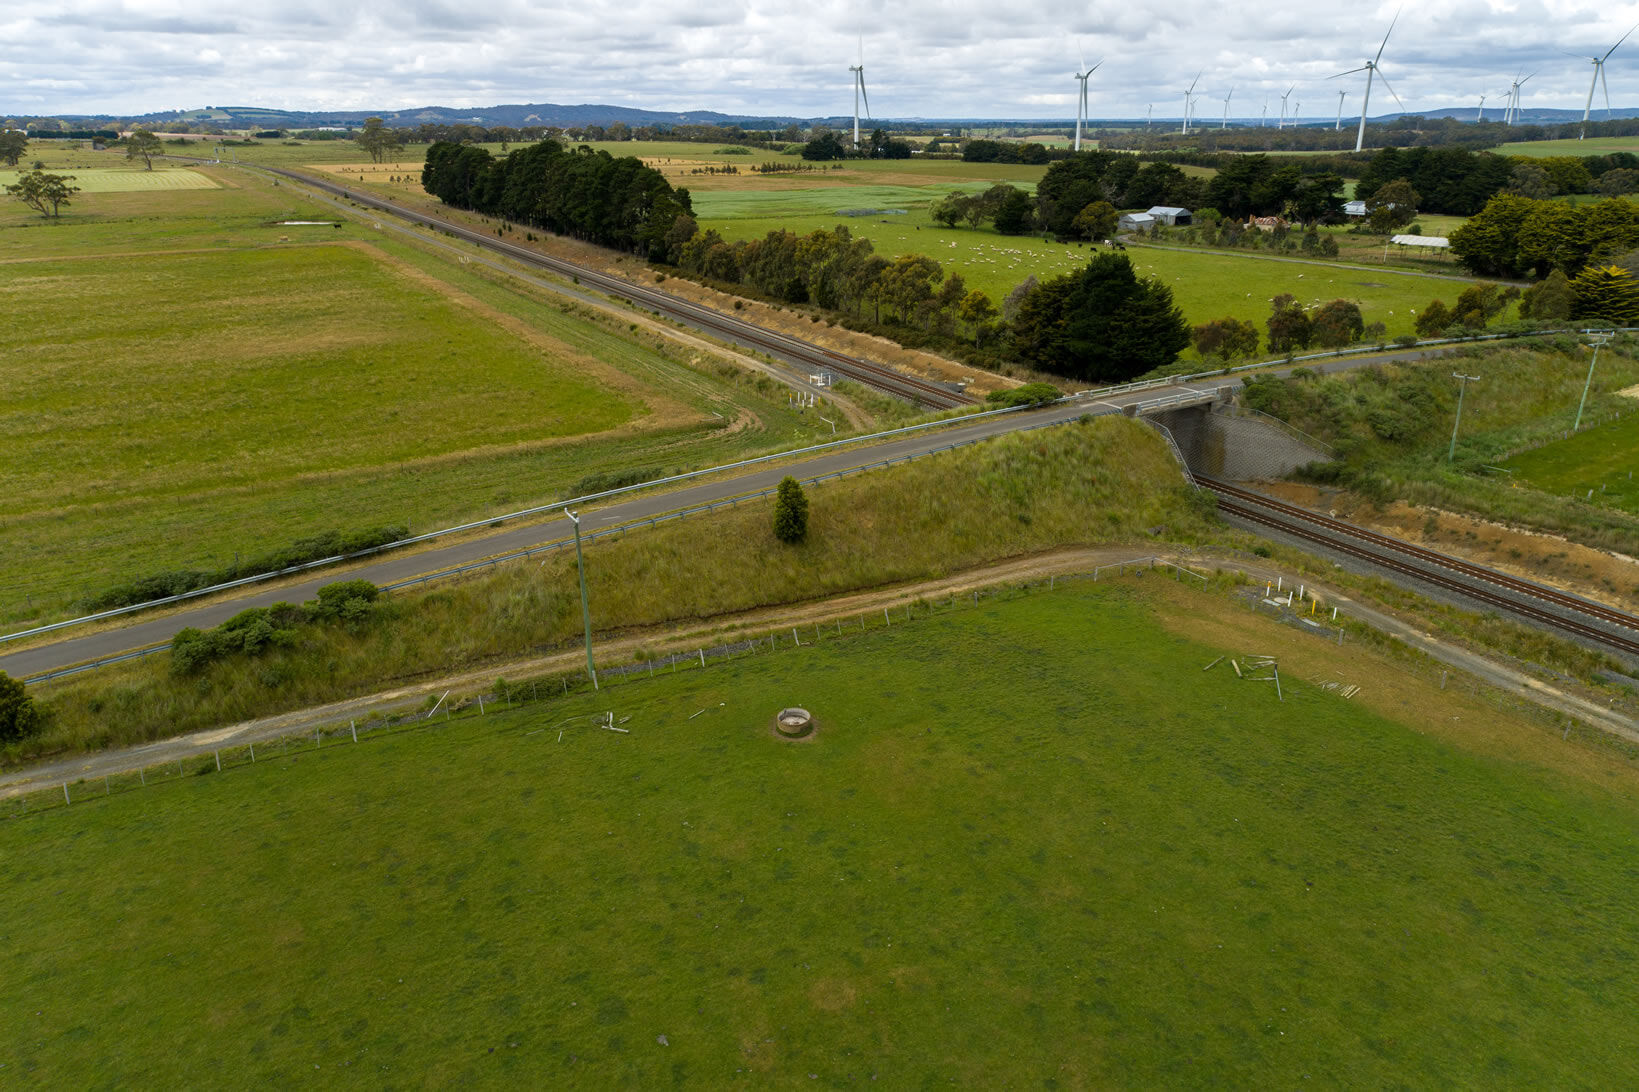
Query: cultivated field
x=1032, y=843
x=215, y=383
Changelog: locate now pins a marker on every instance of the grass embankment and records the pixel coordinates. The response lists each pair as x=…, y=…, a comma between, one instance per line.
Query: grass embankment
x=1032, y=843
x=247, y=410
x=1392, y=428
x=1104, y=480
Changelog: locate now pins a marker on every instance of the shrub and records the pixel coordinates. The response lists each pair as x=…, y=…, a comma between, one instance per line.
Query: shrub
x=19, y=717
x=1031, y=394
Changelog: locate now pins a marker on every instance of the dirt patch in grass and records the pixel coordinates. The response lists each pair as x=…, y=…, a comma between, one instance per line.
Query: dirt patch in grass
x=1607, y=577
x=1629, y=392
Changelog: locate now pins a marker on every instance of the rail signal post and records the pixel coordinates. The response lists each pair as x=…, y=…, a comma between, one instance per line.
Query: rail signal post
x=585, y=606
x=1596, y=338
x=1462, y=387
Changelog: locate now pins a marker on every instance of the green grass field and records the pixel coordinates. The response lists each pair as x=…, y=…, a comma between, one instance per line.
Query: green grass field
x=1032, y=844
x=1596, y=465
x=205, y=390
x=1594, y=146
x=134, y=180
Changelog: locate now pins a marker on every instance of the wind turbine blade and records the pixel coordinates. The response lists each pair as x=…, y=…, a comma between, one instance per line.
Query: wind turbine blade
x=1350, y=72
x=1579, y=56
x=1619, y=41
x=1380, y=48
x=1607, y=88
x=1081, y=53
x=862, y=93
x=1385, y=80
x=1096, y=67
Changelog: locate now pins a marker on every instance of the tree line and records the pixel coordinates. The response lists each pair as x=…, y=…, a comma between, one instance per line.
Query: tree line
x=586, y=194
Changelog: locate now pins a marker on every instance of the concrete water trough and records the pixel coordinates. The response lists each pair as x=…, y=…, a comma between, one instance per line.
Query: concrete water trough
x=794, y=723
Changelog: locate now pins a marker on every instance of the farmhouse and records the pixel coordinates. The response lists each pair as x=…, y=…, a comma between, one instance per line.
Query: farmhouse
x=1354, y=208
x=1172, y=217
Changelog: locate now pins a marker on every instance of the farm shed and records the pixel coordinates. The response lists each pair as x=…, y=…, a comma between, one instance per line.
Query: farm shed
x=1172, y=217
x=1136, y=221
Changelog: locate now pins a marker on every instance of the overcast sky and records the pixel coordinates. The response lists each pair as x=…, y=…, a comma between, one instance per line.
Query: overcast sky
x=923, y=58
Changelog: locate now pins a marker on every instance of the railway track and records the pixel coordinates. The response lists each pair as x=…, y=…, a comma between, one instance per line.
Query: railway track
x=1582, y=618
x=876, y=376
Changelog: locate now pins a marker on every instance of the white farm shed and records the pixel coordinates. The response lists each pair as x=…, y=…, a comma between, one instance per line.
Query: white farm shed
x=1172, y=217
x=1136, y=221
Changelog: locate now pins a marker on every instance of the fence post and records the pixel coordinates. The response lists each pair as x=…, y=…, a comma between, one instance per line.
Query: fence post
x=794, y=638
x=885, y=619
x=66, y=798
x=253, y=754
x=702, y=657
x=480, y=705
x=354, y=725
x=218, y=761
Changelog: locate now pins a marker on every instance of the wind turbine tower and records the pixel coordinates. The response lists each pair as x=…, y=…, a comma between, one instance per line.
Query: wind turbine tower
x=859, y=90
x=1599, y=78
x=1264, y=116
x=1187, y=100
x=1081, y=107
x=1283, y=99
x=1370, y=69
x=1225, y=123
x=1481, y=118
x=1338, y=122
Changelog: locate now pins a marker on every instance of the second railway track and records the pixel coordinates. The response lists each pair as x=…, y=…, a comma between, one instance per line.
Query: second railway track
x=1590, y=621
x=876, y=376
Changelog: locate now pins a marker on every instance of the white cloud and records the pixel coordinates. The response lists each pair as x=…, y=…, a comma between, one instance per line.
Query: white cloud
x=955, y=58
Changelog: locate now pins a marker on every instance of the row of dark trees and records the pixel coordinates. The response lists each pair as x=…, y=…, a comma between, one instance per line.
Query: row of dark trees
x=591, y=195
x=1513, y=235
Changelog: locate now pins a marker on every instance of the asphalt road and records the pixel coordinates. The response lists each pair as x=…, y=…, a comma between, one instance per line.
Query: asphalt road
x=393, y=568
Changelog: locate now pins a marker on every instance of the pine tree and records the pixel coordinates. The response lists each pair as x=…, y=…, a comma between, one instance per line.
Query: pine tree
x=1605, y=293
x=790, y=511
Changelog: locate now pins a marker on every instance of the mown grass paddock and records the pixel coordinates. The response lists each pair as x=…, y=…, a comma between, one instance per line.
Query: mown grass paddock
x=193, y=395
x=1031, y=842
x=133, y=180
x=1596, y=465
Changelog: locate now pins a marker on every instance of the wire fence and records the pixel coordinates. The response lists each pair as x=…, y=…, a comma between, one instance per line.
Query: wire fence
x=1292, y=603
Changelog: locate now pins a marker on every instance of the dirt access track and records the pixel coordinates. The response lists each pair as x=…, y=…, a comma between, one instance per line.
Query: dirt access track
x=1385, y=686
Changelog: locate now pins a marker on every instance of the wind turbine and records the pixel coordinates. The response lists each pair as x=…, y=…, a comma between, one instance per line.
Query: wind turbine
x=1338, y=122
x=1599, y=78
x=1264, y=116
x=1283, y=99
x=1511, y=114
x=1481, y=119
x=1081, y=107
x=1225, y=123
x=859, y=90
x=1149, y=113
x=1188, y=100
x=1370, y=69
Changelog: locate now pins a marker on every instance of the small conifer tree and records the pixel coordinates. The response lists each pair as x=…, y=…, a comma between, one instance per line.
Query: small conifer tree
x=790, y=511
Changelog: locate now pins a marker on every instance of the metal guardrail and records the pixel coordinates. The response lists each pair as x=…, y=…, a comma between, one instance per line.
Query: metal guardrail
x=607, y=532
x=487, y=521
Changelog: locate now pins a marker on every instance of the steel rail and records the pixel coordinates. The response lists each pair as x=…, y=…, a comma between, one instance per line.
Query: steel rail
x=1495, y=589
x=877, y=376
